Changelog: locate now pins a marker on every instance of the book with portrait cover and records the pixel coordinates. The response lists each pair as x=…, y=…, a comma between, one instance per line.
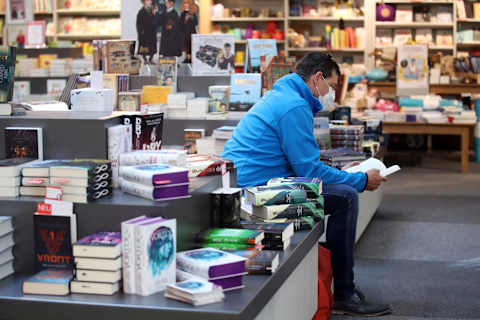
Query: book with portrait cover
x=24, y=142
x=167, y=72
x=53, y=241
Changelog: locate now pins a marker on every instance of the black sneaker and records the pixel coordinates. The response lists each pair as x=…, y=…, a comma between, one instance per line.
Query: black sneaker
x=356, y=305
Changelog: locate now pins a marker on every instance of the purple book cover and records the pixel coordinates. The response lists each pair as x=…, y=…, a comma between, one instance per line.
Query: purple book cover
x=229, y=283
x=171, y=192
x=101, y=239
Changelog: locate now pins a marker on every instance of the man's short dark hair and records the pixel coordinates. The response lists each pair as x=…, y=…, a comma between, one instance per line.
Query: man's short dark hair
x=315, y=62
x=228, y=45
x=173, y=1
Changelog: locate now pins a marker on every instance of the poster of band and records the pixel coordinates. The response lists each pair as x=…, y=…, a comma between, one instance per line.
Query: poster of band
x=176, y=20
x=412, y=70
x=213, y=54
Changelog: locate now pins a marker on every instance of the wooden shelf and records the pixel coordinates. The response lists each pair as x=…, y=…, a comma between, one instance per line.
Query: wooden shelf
x=432, y=25
x=322, y=49
x=87, y=37
x=434, y=47
x=93, y=13
x=417, y=1
x=390, y=87
x=469, y=20
x=469, y=44
x=247, y=19
x=43, y=13
x=245, y=41
x=327, y=19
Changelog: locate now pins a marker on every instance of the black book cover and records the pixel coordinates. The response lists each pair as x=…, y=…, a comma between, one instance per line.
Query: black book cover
x=216, y=210
x=270, y=244
x=97, y=167
x=273, y=231
x=147, y=131
x=23, y=143
x=225, y=210
x=53, y=242
x=261, y=263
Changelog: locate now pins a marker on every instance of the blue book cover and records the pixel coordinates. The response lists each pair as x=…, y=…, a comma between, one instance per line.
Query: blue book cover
x=246, y=90
x=57, y=276
x=261, y=47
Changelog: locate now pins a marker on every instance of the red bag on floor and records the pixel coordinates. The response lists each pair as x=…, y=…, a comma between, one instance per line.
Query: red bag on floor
x=325, y=278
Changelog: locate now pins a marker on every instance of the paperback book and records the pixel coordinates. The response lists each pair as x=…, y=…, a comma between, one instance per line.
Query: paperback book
x=219, y=99
x=49, y=282
x=155, y=253
x=176, y=158
x=246, y=90
x=196, y=292
x=155, y=174
x=260, y=262
x=228, y=235
x=272, y=231
x=147, y=131
x=107, y=245
x=167, y=72
x=275, y=195
x=24, y=142
x=311, y=208
x=99, y=288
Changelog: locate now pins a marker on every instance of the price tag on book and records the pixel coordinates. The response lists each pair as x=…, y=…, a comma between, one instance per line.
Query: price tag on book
x=54, y=193
x=44, y=208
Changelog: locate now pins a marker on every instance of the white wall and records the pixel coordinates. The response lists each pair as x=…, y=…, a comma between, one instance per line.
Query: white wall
x=130, y=9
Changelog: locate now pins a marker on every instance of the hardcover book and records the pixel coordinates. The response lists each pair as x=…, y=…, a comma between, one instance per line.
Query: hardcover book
x=53, y=241
x=155, y=174
x=210, y=263
x=213, y=54
x=260, y=262
x=147, y=131
x=98, y=264
x=257, y=48
x=281, y=194
x=190, y=139
x=227, y=235
x=201, y=165
x=85, y=287
x=49, y=282
x=6, y=269
x=311, y=208
x=6, y=225
x=272, y=231
x=230, y=283
x=176, y=158
x=196, y=292
x=219, y=99
x=167, y=72
x=107, y=245
x=24, y=142
x=155, y=251
x=246, y=90
x=128, y=253
x=120, y=140
x=157, y=193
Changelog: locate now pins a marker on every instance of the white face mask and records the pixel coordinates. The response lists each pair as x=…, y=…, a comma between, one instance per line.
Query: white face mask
x=328, y=99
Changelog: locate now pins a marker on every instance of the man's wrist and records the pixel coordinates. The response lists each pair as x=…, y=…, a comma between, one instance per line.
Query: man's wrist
x=366, y=182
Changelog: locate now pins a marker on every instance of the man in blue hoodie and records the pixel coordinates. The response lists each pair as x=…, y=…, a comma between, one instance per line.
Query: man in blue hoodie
x=275, y=139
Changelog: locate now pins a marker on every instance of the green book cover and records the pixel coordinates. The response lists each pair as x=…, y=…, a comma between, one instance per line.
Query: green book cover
x=7, y=68
x=275, y=195
x=291, y=211
x=226, y=235
x=229, y=246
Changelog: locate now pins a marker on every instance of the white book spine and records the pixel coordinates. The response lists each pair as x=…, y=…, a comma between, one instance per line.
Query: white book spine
x=138, y=176
x=187, y=265
x=119, y=141
x=154, y=273
x=136, y=189
x=128, y=256
x=140, y=158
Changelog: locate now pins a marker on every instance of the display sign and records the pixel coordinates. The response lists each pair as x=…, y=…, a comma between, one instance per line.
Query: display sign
x=412, y=70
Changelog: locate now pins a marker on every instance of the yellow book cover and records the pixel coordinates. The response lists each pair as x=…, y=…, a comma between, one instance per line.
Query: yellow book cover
x=337, y=38
x=156, y=94
x=45, y=59
x=476, y=10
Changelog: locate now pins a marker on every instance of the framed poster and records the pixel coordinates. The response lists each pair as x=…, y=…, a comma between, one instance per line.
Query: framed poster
x=35, y=34
x=19, y=11
x=213, y=54
x=412, y=70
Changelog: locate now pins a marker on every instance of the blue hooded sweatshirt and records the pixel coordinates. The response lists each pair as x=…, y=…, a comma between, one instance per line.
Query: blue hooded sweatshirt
x=275, y=139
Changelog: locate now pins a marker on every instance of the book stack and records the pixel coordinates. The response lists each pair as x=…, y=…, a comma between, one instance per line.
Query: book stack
x=222, y=135
x=200, y=165
x=285, y=200
x=98, y=262
x=350, y=137
x=10, y=176
x=197, y=107
x=340, y=157
x=155, y=181
x=35, y=177
x=260, y=262
x=229, y=239
x=149, y=251
x=6, y=247
x=83, y=180
x=176, y=158
x=197, y=292
x=216, y=266
x=177, y=103
x=59, y=68
x=277, y=235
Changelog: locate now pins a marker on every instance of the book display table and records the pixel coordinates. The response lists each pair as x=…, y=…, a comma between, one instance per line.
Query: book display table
x=290, y=293
x=463, y=130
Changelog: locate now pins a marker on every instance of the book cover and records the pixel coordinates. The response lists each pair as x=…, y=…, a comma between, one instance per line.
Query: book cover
x=120, y=57
x=24, y=142
x=275, y=244
x=99, y=245
x=230, y=235
x=404, y=13
x=423, y=36
x=55, y=87
x=155, y=250
x=312, y=208
x=7, y=68
x=128, y=253
x=290, y=193
x=49, y=282
x=21, y=90
x=274, y=231
x=260, y=47
x=120, y=139
x=41, y=169
x=384, y=37
x=229, y=246
x=210, y=263
x=167, y=72
x=147, y=131
x=402, y=36
x=155, y=174
x=226, y=208
x=213, y=54
x=299, y=224
x=260, y=262
x=190, y=137
x=246, y=90
x=13, y=167
x=53, y=241
x=97, y=169
x=219, y=99
x=157, y=193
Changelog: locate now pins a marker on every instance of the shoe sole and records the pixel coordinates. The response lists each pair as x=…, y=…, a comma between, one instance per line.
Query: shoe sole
x=368, y=315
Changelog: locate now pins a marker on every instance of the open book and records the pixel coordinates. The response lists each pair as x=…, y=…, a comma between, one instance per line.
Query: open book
x=373, y=163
